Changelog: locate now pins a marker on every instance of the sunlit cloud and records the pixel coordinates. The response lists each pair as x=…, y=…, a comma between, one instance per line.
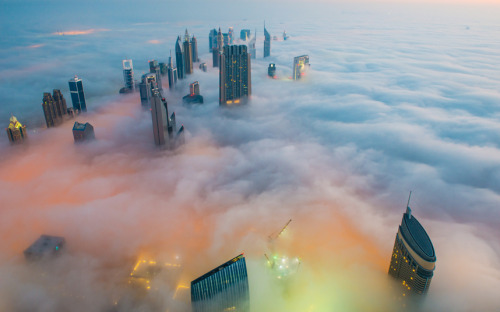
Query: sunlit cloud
x=79, y=32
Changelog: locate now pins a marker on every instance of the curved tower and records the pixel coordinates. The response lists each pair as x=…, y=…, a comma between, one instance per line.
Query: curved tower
x=413, y=257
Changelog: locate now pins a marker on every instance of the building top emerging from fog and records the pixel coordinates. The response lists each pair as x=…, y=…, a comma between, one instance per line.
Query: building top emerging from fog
x=44, y=246
x=413, y=259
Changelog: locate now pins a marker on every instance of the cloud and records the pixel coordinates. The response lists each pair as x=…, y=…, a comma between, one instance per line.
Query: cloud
x=410, y=104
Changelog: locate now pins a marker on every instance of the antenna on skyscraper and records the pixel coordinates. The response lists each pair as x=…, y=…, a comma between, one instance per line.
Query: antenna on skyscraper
x=408, y=209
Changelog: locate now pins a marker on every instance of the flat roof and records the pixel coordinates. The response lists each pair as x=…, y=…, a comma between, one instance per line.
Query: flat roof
x=416, y=236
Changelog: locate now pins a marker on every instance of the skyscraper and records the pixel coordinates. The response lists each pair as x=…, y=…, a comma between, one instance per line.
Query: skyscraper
x=300, y=65
x=217, y=49
x=83, y=132
x=60, y=103
x=235, y=78
x=267, y=42
x=271, y=70
x=44, y=247
x=245, y=34
x=225, y=288
x=179, y=58
x=128, y=75
x=413, y=258
x=164, y=128
x=251, y=46
x=171, y=72
x=212, y=39
x=148, y=83
x=154, y=68
x=16, y=131
x=77, y=95
x=194, y=49
x=188, y=54
x=230, y=34
x=52, y=110
x=194, y=94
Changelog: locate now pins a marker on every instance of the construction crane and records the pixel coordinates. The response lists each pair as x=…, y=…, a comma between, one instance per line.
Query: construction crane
x=274, y=237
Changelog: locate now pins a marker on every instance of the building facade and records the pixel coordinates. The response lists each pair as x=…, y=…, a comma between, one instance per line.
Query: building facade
x=164, y=127
x=267, y=42
x=53, y=109
x=413, y=257
x=212, y=39
x=16, y=132
x=83, y=132
x=235, y=78
x=128, y=75
x=300, y=66
x=245, y=34
x=179, y=58
x=171, y=73
x=77, y=94
x=194, y=49
x=148, y=82
x=225, y=288
x=188, y=54
x=154, y=68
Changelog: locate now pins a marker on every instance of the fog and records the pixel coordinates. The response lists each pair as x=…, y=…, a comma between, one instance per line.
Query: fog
x=397, y=98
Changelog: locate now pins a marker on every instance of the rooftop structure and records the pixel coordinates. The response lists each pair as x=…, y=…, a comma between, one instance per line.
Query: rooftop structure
x=45, y=247
x=16, y=131
x=300, y=66
x=194, y=94
x=83, y=132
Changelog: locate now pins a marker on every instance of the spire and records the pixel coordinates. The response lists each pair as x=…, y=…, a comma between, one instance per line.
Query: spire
x=186, y=36
x=408, y=209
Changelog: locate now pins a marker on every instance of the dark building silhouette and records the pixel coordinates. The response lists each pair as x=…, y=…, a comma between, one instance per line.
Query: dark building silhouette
x=217, y=49
x=163, y=68
x=194, y=94
x=77, y=94
x=194, y=49
x=128, y=76
x=16, y=131
x=179, y=58
x=154, y=68
x=225, y=288
x=245, y=34
x=271, y=70
x=212, y=39
x=148, y=82
x=53, y=110
x=413, y=258
x=251, y=46
x=83, y=132
x=45, y=247
x=188, y=54
x=267, y=42
x=203, y=67
x=60, y=103
x=235, y=82
x=300, y=66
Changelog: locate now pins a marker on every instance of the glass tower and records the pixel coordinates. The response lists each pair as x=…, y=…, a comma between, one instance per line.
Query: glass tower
x=235, y=82
x=267, y=42
x=413, y=258
x=179, y=58
x=128, y=74
x=77, y=95
x=225, y=288
x=300, y=65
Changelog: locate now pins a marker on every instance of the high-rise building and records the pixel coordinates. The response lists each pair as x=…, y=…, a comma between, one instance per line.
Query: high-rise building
x=163, y=68
x=188, y=54
x=251, y=46
x=179, y=58
x=83, y=132
x=217, y=49
x=194, y=49
x=203, y=66
x=128, y=75
x=164, y=128
x=225, y=38
x=194, y=94
x=267, y=42
x=271, y=70
x=171, y=72
x=285, y=36
x=212, y=39
x=413, y=257
x=235, y=78
x=300, y=66
x=16, y=131
x=60, y=103
x=245, y=34
x=44, y=247
x=225, y=288
x=148, y=83
x=230, y=34
x=154, y=68
x=77, y=95
x=53, y=110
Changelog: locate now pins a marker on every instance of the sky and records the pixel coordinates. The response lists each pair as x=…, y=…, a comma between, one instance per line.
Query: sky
x=399, y=98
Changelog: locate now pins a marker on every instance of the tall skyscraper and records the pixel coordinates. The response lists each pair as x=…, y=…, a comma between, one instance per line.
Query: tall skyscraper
x=245, y=34
x=251, y=46
x=267, y=42
x=300, y=66
x=154, y=68
x=194, y=94
x=225, y=288
x=217, y=49
x=230, y=34
x=83, y=132
x=413, y=258
x=212, y=39
x=194, y=49
x=60, y=103
x=179, y=58
x=77, y=95
x=52, y=110
x=148, y=82
x=235, y=78
x=164, y=128
x=16, y=131
x=188, y=55
x=171, y=72
x=128, y=75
